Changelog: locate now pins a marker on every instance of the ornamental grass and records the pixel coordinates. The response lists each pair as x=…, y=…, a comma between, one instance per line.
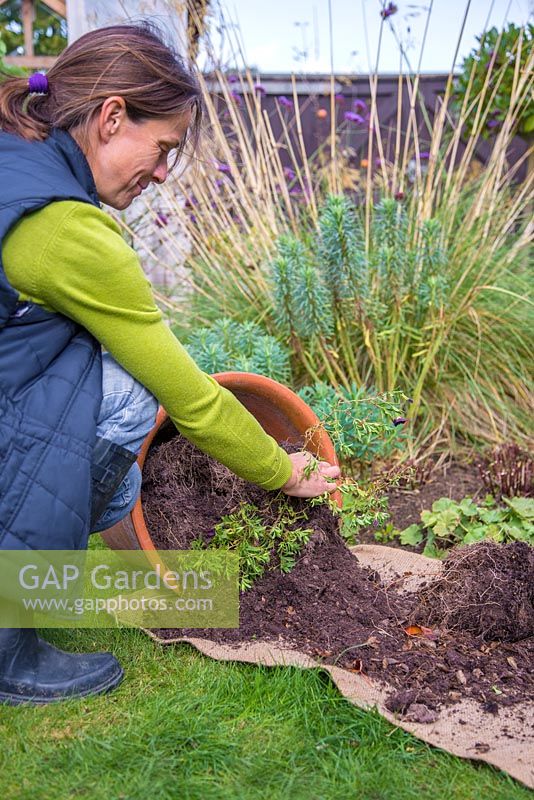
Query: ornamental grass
x=410, y=274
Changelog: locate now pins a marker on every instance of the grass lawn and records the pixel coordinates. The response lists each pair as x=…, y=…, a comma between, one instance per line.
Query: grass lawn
x=184, y=726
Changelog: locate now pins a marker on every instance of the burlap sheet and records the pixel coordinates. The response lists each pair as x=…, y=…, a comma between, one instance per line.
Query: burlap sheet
x=505, y=740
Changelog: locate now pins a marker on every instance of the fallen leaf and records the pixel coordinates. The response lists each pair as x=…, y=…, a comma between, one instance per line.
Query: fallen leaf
x=511, y=660
x=418, y=630
x=357, y=666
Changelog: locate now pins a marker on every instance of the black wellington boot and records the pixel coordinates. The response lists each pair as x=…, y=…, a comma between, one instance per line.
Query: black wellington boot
x=34, y=671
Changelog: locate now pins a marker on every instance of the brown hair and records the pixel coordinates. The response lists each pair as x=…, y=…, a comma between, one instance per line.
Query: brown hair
x=131, y=61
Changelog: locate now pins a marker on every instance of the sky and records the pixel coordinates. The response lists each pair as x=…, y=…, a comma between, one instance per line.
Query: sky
x=293, y=35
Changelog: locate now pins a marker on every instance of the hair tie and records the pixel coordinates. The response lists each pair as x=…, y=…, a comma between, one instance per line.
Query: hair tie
x=38, y=83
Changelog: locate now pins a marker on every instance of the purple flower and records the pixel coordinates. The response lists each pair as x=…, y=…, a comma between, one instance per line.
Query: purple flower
x=259, y=89
x=492, y=123
x=191, y=201
x=233, y=79
x=219, y=183
x=303, y=192
x=224, y=168
x=193, y=219
x=285, y=101
x=289, y=174
x=378, y=162
x=353, y=117
x=360, y=105
x=424, y=155
x=161, y=219
x=339, y=97
x=399, y=421
x=389, y=10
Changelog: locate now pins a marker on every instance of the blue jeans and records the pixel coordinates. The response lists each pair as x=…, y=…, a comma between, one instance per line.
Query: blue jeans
x=127, y=414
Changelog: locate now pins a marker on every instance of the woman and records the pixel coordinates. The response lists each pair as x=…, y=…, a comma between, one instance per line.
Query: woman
x=99, y=128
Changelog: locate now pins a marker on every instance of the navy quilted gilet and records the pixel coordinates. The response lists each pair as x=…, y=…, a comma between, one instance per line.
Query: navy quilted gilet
x=50, y=369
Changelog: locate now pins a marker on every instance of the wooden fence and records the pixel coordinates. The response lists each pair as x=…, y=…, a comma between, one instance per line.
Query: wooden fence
x=314, y=93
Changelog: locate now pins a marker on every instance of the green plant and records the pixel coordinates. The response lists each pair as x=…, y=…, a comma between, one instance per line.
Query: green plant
x=490, y=74
x=421, y=287
x=363, y=426
x=49, y=29
x=450, y=523
x=244, y=347
x=244, y=532
x=364, y=505
x=5, y=69
x=386, y=534
x=407, y=314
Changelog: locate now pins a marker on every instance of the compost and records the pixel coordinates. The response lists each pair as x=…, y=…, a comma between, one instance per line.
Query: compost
x=467, y=633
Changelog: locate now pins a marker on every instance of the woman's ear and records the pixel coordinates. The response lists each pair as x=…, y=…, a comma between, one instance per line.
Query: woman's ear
x=111, y=117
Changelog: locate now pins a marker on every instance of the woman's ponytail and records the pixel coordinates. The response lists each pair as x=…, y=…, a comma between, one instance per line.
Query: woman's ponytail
x=15, y=95
x=130, y=60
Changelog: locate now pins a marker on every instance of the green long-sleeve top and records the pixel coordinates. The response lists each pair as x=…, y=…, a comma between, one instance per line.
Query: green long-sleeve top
x=70, y=258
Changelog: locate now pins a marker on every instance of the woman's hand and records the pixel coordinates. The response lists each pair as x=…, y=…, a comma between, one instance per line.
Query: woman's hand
x=320, y=480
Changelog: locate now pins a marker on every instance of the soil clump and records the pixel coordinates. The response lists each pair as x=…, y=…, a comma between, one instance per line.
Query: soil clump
x=432, y=647
x=486, y=590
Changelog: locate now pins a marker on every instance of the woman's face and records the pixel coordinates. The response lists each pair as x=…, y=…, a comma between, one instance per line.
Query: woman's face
x=126, y=156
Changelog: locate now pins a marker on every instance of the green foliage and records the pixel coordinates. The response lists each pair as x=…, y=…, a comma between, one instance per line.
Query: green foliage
x=244, y=532
x=302, y=302
x=340, y=249
x=450, y=523
x=362, y=507
x=388, y=533
x=49, y=29
x=495, y=57
x=397, y=275
x=418, y=308
x=359, y=423
x=410, y=278
x=244, y=347
x=5, y=69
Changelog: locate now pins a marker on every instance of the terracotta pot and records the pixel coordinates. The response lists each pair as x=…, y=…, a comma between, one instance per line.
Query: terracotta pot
x=280, y=412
